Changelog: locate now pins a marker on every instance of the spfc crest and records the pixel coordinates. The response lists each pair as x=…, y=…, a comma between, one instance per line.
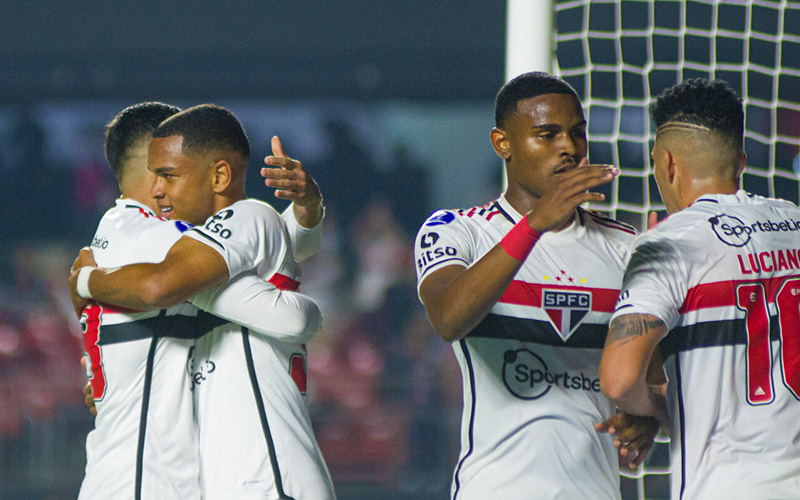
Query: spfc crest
x=566, y=309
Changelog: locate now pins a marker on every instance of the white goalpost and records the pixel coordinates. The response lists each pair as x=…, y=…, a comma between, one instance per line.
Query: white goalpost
x=619, y=54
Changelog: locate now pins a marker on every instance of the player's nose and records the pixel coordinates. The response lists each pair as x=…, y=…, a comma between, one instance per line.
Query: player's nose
x=157, y=189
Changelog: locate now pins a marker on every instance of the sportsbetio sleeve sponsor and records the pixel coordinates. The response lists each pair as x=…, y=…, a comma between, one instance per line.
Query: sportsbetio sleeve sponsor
x=441, y=241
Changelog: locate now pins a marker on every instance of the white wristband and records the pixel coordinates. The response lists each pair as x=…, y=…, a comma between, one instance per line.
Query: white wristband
x=83, y=282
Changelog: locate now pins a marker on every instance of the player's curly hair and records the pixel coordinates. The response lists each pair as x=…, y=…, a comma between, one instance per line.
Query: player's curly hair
x=527, y=86
x=206, y=128
x=130, y=126
x=699, y=101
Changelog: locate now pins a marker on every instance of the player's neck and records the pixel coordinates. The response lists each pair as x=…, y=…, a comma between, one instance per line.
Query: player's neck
x=225, y=200
x=703, y=187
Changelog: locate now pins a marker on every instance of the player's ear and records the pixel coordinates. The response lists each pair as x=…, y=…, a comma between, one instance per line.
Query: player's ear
x=744, y=164
x=670, y=165
x=221, y=177
x=500, y=143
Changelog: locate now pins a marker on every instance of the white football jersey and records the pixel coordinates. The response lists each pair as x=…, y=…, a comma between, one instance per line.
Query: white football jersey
x=724, y=275
x=143, y=436
x=530, y=368
x=256, y=439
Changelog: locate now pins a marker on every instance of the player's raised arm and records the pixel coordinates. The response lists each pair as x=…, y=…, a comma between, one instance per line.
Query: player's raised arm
x=189, y=268
x=304, y=216
x=259, y=305
x=457, y=298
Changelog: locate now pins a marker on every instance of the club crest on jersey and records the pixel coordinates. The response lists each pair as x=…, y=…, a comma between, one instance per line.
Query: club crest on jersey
x=566, y=309
x=440, y=218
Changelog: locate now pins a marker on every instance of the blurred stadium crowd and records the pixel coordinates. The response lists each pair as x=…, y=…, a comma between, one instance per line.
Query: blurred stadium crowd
x=385, y=391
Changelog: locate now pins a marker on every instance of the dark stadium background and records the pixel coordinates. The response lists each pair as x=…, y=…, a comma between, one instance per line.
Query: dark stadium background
x=389, y=106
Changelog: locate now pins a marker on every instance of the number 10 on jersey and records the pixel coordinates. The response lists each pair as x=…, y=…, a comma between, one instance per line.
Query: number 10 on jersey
x=752, y=299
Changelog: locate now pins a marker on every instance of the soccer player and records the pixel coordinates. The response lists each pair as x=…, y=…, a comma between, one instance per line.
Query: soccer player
x=524, y=287
x=251, y=386
x=139, y=360
x=717, y=284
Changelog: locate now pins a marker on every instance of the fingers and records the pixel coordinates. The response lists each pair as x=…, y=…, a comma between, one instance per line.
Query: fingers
x=591, y=176
x=289, y=174
x=652, y=220
x=602, y=427
x=277, y=147
x=88, y=399
x=279, y=158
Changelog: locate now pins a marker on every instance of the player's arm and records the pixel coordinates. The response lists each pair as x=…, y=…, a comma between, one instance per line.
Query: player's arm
x=250, y=301
x=304, y=216
x=631, y=342
x=189, y=268
x=458, y=298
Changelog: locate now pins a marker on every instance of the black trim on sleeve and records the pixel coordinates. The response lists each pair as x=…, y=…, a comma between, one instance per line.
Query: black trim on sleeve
x=471, y=430
x=148, y=380
x=623, y=306
x=466, y=264
x=262, y=413
x=209, y=238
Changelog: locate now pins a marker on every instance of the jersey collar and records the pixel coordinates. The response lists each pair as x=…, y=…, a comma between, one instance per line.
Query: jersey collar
x=131, y=203
x=508, y=210
x=740, y=196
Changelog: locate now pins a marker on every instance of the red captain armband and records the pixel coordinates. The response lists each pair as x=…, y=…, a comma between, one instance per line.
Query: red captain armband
x=519, y=242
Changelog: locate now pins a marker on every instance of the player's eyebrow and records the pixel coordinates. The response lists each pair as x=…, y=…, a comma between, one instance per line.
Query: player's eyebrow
x=161, y=170
x=553, y=127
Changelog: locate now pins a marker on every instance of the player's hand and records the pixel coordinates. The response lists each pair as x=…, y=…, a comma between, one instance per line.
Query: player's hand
x=88, y=396
x=85, y=258
x=568, y=191
x=633, y=437
x=652, y=220
x=291, y=182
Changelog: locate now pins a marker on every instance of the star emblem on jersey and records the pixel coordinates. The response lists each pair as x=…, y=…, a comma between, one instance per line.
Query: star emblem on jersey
x=562, y=278
x=566, y=309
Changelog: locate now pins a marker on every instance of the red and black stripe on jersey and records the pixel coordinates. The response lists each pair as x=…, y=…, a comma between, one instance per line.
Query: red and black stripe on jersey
x=587, y=335
x=722, y=332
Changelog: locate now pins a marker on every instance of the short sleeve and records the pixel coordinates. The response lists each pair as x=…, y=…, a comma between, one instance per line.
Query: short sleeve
x=442, y=241
x=160, y=237
x=655, y=280
x=246, y=234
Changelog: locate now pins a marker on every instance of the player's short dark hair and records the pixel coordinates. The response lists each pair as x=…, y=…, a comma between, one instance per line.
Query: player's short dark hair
x=527, y=86
x=206, y=128
x=699, y=101
x=130, y=126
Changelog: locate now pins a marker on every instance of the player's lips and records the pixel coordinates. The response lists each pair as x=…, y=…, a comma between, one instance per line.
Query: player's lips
x=165, y=211
x=566, y=168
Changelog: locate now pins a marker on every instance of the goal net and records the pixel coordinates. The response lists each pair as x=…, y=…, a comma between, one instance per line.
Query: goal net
x=619, y=54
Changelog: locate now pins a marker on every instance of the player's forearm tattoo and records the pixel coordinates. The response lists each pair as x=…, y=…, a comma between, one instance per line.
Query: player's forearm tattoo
x=627, y=328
